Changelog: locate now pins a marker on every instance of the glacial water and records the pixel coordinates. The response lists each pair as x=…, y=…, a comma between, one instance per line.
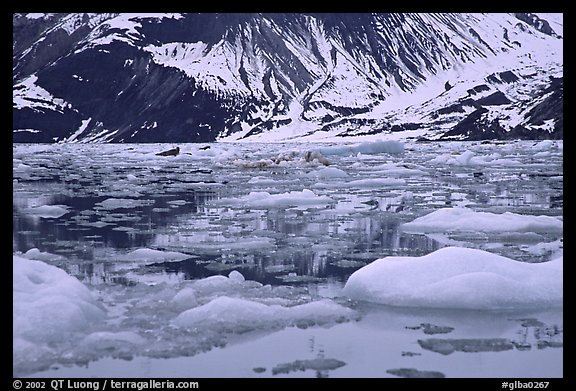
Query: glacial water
x=138, y=229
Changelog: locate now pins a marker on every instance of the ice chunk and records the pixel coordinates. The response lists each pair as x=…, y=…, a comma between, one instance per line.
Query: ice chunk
x=185, y=298
x=123, y=203
x=544, y=145
x=264, y=181
x=390, y=169
x=48, y=303
x=543, y=248
x=150, y=255
x=329, y=172
x=236, y=276
x=106, y=340
x=368, y=148
x=464, y=219
x=213, y=284
x=467, y=158
x=229, y=310
x=454, y=277
x=48, y=211
x=375, y=182
x=390, y=146
x=316, y=364
x=218, y=244
x=242, y=314
x=265, y=200
x=38, y=255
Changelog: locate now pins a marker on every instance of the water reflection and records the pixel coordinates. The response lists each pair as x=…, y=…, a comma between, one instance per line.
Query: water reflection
x=88, y=225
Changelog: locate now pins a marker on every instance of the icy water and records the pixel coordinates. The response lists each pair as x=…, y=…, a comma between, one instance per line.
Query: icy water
x=140, y=230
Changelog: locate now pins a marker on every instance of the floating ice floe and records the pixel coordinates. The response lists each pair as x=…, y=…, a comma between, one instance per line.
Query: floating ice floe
x=328, y=172
x=264, y=200
x=57, y=319
x=368, y=148
x=469, y=158
x=38, y=255
x=106, y=340
x=150, y=255
x=262, y=180
x=123, y=203
x=544, y=247
x=544, y=145
x=47, y=211
x=390, y=169
x=455, y=277
x=241, y=313
x=374, y=182
x=464, y=219
x=49, y=306
x=316, y=364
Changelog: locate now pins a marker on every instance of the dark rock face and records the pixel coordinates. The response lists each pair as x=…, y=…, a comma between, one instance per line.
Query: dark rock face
x=549, y=109
x=538, y=23
x=198, y=77
x=496, y=99
x=476, y=127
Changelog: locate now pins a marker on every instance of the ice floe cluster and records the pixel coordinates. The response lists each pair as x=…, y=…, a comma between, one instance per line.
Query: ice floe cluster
x=59, y=319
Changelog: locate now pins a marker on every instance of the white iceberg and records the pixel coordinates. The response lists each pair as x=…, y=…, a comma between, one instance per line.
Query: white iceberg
x=265, y=200
x=469, y=158
x=123, y=203
x=37, y=255
x=328, y=172
x=374, y=182
x=464, y=219
x=49, y=304
x=367, y=148
x=151, y=255
x=455, y=277
x=241, y=314
x=47, y=211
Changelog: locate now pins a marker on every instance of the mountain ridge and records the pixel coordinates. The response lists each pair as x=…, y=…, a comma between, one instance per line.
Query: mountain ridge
x=274, y=77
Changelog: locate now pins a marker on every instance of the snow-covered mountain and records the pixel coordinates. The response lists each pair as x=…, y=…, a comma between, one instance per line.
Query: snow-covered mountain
x=272, y=77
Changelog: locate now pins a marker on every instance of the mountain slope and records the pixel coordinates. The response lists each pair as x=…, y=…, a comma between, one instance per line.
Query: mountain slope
x=270, y=77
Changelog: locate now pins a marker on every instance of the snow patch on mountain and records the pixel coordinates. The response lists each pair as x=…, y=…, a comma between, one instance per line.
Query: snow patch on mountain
x=28, y=94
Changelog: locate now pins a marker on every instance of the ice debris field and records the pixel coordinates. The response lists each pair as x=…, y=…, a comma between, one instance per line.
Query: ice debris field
x=123, y=254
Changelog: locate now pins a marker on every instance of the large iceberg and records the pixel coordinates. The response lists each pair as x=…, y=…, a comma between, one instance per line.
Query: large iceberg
x=455, y=277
